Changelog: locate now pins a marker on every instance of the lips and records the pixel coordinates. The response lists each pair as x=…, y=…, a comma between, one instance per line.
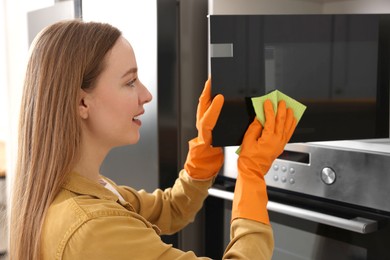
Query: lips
x=136, y=120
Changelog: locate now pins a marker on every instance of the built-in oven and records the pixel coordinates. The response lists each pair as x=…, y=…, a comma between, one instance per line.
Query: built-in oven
x=327, y=200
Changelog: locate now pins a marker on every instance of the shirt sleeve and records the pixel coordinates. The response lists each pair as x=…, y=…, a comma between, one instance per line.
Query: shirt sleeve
x=173, y=208
x=249, y=240
x=120, y=237
x=125, y=237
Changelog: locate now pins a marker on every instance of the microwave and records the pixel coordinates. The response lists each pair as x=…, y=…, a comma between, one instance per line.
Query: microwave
x=337, y=65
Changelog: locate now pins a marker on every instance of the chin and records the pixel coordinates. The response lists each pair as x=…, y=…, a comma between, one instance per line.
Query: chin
x=134, y=140
x=128, y=140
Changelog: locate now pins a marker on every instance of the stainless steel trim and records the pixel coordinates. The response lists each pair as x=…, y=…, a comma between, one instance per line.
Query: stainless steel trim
x=221, y=50
x=78, y=9
x=359, y=225
x=221, y=194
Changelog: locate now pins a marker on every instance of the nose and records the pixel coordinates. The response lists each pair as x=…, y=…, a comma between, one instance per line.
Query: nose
x=145, y=96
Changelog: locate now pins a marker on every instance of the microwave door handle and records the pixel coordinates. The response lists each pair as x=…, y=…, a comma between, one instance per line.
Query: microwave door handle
x=358, y=224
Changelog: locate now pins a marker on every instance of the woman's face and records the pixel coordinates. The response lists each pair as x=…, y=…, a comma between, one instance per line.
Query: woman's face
x=115, y=104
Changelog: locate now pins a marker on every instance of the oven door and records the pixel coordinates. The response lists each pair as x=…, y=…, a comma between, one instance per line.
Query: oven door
x=304, y=228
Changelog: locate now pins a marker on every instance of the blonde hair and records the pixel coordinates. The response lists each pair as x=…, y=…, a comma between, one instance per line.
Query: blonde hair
x=66, y=57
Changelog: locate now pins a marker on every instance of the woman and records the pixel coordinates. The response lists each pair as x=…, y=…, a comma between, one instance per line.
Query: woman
x=82, y=97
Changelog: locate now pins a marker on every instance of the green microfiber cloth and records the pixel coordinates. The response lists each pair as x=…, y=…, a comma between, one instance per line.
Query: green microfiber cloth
x=275, y=96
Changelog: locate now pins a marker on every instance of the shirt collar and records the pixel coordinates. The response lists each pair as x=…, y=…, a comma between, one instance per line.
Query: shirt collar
x=81, y=185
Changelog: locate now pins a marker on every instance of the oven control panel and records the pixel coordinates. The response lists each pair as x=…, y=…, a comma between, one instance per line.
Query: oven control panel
x=283, y=173
x=355, y=172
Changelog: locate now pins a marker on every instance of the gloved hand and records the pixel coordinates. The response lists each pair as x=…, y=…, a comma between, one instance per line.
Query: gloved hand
x=260, y=147
x=203, y=160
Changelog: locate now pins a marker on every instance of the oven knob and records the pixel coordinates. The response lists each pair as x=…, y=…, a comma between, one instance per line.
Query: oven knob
x=328, y=175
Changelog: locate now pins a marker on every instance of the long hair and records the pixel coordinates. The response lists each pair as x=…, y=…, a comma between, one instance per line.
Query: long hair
x=65, y=57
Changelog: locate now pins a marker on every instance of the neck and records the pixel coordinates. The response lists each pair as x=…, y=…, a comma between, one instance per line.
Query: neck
x=91, y=158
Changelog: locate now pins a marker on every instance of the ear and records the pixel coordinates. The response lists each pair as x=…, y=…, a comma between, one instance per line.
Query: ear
x=83, y=104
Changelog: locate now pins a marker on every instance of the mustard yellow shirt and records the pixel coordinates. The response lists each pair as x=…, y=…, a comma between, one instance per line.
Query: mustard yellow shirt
x=88, y=221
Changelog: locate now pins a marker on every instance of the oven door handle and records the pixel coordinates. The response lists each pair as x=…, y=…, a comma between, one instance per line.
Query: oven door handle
x=358, y=224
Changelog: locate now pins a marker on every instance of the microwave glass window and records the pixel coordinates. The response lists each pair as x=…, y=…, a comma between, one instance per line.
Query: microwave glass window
x=336, y=65
x=338, y=62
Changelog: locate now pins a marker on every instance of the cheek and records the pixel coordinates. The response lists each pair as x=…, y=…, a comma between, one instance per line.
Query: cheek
x=130, y=104
x=134, y=105
x=122, y=108
x=115, y=105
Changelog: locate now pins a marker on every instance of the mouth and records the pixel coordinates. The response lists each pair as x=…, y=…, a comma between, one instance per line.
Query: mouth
x=137, y=120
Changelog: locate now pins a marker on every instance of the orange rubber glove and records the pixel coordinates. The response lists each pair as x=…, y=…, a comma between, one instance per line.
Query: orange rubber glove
x=203, y=160
x=260, y=147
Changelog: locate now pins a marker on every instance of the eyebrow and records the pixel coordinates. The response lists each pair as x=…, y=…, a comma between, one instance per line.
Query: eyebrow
x=130, y=71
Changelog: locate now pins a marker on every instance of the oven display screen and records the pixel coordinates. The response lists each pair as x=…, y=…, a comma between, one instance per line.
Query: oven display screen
x=295, y=157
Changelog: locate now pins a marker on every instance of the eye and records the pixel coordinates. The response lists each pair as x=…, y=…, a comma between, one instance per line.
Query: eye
x=131, y=83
